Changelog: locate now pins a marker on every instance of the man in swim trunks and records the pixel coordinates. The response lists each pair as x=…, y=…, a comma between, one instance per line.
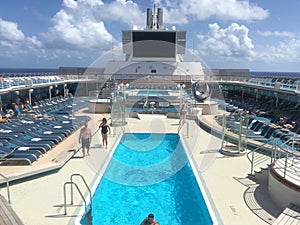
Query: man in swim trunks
x=105, y=130
x=85, y=137
x=149, y=220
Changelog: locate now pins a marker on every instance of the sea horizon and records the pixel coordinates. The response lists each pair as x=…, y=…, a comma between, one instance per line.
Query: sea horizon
x=27, y=70
x=11, y=70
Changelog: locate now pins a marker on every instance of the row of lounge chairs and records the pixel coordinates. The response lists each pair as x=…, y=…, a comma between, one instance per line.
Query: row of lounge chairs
x=265, y=131
x=25, y=139
x=265, y=107
x=11, y=81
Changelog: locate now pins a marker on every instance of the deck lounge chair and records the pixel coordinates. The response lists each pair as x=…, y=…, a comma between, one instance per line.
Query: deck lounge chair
x=16, y=158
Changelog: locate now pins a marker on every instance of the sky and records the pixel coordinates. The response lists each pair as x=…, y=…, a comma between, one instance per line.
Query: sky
x=260, y=35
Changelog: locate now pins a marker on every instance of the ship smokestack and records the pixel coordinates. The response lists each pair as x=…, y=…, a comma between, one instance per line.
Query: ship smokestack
x=149, y=18
x=154, y=18
x=159, y=18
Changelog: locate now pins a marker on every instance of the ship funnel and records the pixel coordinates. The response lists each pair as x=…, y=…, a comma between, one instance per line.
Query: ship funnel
x=154, y=18
x=149, y=18
x=160, y=18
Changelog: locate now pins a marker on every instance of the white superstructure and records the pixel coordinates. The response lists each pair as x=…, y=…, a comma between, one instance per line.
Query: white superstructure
x=155, y=51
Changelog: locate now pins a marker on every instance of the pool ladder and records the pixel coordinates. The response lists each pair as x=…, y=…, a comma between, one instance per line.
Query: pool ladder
x=72, y=183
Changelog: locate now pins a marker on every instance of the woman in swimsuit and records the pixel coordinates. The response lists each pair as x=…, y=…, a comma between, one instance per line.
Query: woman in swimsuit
x=105, y=130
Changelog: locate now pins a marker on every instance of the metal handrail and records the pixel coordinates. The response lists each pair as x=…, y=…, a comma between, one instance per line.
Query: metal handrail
x=71, y=182
x=65, y=197
x=251, y=160
x=287, y=153
x=86, y=185
x=287, y=141
x=286, y=166
x=7, y=186
x=279, y=152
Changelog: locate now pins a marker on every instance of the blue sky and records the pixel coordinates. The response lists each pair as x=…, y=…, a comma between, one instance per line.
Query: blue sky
x=260, y=35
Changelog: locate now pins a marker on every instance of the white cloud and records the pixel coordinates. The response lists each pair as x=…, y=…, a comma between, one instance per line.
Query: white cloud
x=76, y=32
x=276, y=34
x=232, y=41
x=223, y=9
x=125, y=12
x=70, y=4
x=13, y=41
x=80, y=24
x=10, y=31
x=175, y=16
x=182, y=11
x=288, y=51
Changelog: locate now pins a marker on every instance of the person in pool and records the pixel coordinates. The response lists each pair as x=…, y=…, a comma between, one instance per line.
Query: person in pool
x=149, y=220
x=105, y=130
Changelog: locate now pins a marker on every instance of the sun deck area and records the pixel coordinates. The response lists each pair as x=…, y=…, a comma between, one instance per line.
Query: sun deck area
x=36, y=191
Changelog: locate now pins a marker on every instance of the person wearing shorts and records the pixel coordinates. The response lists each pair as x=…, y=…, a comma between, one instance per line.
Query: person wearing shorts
x=85, y=137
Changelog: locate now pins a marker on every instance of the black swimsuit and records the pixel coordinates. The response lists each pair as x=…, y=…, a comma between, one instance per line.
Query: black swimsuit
x=104, y=129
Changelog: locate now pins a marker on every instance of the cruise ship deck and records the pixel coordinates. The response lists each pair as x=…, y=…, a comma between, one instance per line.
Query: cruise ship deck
x=237, y=191
x=250, y=175
x=235, y=197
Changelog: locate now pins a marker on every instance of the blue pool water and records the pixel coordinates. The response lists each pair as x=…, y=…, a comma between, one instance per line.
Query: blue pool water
x=152, y=93
x=162, y=110
x=148, y=173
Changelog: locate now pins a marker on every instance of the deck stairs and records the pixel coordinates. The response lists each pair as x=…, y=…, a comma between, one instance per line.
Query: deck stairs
x=289, y=216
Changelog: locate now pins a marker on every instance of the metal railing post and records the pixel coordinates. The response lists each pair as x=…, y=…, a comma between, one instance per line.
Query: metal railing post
x=187, y=129
x=223, y=130
x=285, y=165
x=252, y=162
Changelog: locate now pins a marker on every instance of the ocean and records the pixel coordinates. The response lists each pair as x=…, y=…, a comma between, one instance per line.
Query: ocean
x=276, y=74
x=26, y=70
x=4, y=71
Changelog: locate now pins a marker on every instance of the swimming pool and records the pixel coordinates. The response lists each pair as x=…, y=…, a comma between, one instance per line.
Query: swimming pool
x=149, y=173
x=153, y=93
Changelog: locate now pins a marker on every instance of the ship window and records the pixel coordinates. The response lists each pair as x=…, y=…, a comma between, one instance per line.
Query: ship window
x=153, y=71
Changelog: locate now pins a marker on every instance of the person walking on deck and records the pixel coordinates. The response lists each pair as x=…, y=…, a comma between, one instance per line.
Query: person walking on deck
x=105, y=130
x=85, y=138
